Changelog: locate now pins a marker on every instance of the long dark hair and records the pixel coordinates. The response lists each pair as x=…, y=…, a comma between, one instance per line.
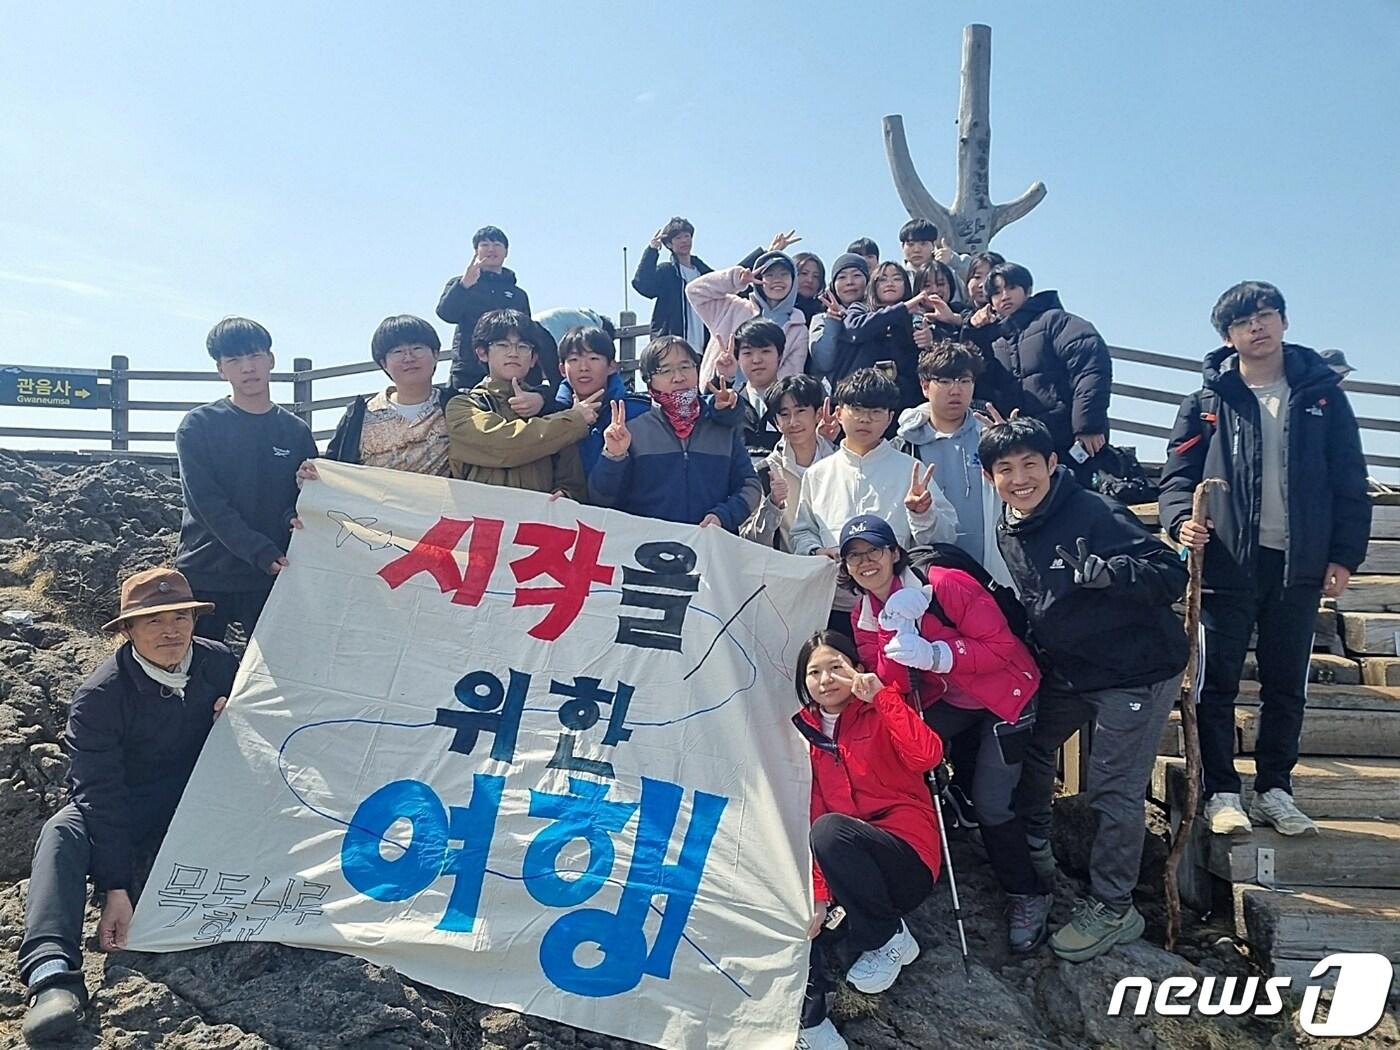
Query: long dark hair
x=842, y=643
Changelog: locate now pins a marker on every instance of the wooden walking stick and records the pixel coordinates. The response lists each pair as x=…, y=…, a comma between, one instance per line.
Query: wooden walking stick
x=1191, y=741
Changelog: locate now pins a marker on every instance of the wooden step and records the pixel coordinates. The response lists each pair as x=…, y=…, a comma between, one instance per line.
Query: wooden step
x=1328, y=729
x=1293, y=931
x=1382, y=559
x=1372, y=634
x=1385, y=522
x=1380, y=670
x=1325, y=788
x=1325, y=668
x=1147, y=514
x=1371, y=594
x=1344, y=697
x=1370, y=849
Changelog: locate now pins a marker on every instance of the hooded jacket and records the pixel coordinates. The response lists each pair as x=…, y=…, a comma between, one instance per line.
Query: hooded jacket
x=1063, y=367
x=132, y=747
x=883, y=333
x=663, y=282
x=1217, y=436
x=491, y=444
x=717, y=300
x=1118, y=636
x=634, y=405
x=873, y=769
x=344, y=446
x=463, y=307
x=990, y=664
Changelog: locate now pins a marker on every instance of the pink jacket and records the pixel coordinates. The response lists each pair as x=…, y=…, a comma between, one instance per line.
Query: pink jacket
x=716, y=299
x=990, y=664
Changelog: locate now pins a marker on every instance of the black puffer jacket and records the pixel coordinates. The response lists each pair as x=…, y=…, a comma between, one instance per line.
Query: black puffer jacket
x=1122, y=635
x=882, y=333
x=1063, y=367
x=1217, y=436
x=463, y=307
x=133, y=747
x=663, y=282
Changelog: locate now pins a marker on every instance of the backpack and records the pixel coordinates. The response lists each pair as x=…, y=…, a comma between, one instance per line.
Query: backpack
x=951, y=556
x=1119, y=475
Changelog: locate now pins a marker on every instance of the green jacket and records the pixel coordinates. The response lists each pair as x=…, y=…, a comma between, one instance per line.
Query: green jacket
x=491, y=444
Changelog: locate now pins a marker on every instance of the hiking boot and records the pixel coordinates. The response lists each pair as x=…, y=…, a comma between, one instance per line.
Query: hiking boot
x=1276, y=807
x=56, y=1005
x=1226, y=816
x=823, y=1036
x=1094, y=929
x=876, y=970
x=1028, y=920
x=1043, y=861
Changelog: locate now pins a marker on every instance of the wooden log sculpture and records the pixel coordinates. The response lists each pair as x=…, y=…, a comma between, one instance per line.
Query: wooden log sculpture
x=973, y=220
x=1191, y=740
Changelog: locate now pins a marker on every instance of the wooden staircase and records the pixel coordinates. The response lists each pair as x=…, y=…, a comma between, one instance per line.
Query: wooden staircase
x=1299, y=899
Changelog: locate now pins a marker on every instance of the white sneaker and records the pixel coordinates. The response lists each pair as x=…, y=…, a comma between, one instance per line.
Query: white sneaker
x=1226, y=815
x=1276, y=807
x=821, y=1037
x=875, y=971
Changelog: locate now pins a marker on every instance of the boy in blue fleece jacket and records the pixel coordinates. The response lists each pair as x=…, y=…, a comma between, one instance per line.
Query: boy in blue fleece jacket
x=588, y=363
x=679, y=461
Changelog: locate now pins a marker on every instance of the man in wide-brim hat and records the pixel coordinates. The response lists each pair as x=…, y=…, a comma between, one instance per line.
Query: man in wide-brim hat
x=135, y=729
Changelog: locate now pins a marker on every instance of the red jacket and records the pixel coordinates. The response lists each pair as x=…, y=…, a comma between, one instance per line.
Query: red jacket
x=990, y=664
x=874, y=770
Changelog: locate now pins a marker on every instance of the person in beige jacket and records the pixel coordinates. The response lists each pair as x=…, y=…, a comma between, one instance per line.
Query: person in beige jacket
x=800, y=410
x=495, y=432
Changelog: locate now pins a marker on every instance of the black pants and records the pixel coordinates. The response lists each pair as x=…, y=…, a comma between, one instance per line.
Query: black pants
x=993, y=784
x=241, y=607
x=1287, y=618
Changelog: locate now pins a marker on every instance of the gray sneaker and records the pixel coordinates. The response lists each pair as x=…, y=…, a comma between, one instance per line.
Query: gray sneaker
x=1094, y=929
x=1028, y=920
x=1276, y=807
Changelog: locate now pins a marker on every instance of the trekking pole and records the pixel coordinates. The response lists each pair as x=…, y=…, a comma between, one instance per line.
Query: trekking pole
x=1190, y=738
x=942, y=778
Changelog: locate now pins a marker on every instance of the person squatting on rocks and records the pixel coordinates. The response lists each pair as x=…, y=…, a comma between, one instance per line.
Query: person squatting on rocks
x=135, y=729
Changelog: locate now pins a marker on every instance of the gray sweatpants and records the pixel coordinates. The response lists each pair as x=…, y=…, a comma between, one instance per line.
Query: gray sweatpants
x=1128, y=726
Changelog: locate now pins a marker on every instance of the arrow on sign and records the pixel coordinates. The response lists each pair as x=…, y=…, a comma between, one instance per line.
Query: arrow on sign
x=82, y=393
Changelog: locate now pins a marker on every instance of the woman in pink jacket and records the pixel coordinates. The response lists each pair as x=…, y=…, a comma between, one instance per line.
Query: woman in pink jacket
x=717, y=299
x=945, y=640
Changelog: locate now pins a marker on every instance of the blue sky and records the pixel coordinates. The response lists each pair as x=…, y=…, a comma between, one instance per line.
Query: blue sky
x=318, y=167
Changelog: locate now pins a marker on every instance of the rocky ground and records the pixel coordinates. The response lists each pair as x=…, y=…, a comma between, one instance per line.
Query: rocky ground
x=68, y=534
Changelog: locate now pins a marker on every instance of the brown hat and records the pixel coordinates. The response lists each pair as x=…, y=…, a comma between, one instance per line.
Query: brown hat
x=155, y=590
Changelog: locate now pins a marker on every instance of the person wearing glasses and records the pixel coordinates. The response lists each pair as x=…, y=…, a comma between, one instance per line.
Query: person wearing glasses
x=238, y=474
x=683, y=460
x=1272, y=421
x=403, y=426
x=944, y=432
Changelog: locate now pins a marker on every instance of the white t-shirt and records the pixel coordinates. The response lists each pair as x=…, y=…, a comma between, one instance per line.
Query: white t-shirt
x=694, y=327
x=829, y=724
x=1273, y=437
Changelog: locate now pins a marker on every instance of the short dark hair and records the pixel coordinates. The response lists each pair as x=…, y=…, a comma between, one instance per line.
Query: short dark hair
x=1015, y=435
x=867, y=388
x=237, y=336
x=864, y=246
x=1011, y=275
x=805, y=257
x=675, y=226
x=495, y=325
x=657, y=349
x=1245, y=298
x=842, y=643
x=918, y=230
x=402, y=330
x=949, y=359
x=490, y=233
x=759, y=331
x=586, y=340
x=923, y=277
x=870, y=294
x=806, y=392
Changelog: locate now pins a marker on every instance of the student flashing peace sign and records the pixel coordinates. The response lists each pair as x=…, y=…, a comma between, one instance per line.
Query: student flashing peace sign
x=920, y=497
x=617, y=439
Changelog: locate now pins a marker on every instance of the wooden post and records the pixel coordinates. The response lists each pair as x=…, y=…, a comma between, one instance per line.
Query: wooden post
x=973, y=220
x=121, y=423
x=301, y=390
x=627, y=350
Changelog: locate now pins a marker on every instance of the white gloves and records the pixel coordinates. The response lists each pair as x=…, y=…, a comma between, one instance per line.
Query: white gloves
x=911, y=650
x=908, y=603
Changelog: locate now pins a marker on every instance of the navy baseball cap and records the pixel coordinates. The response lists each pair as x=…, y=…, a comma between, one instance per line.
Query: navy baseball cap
x=871, y=528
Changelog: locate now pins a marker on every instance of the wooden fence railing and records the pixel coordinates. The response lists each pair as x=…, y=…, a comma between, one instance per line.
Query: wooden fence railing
x=303, y=377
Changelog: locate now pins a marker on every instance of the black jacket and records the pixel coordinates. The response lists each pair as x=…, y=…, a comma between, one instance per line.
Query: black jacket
x=662, y=281
x=1217, y=436
x=345, y=442
x=463, y=307
x=132, y=750
x=883, y=333
x=1122, y=635
x=1063, y=367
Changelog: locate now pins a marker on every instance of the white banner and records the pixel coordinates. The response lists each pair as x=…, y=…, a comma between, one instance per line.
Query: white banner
x=536, y=753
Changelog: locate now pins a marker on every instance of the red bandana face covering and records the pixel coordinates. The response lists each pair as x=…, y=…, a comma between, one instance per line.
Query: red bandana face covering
x=682, y=408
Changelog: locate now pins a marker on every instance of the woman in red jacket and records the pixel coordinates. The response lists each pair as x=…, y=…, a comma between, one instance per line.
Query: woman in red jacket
x=945, y=640
x=874, y=833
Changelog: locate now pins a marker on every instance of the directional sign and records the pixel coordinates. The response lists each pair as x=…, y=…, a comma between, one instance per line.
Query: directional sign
x=52, y=387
